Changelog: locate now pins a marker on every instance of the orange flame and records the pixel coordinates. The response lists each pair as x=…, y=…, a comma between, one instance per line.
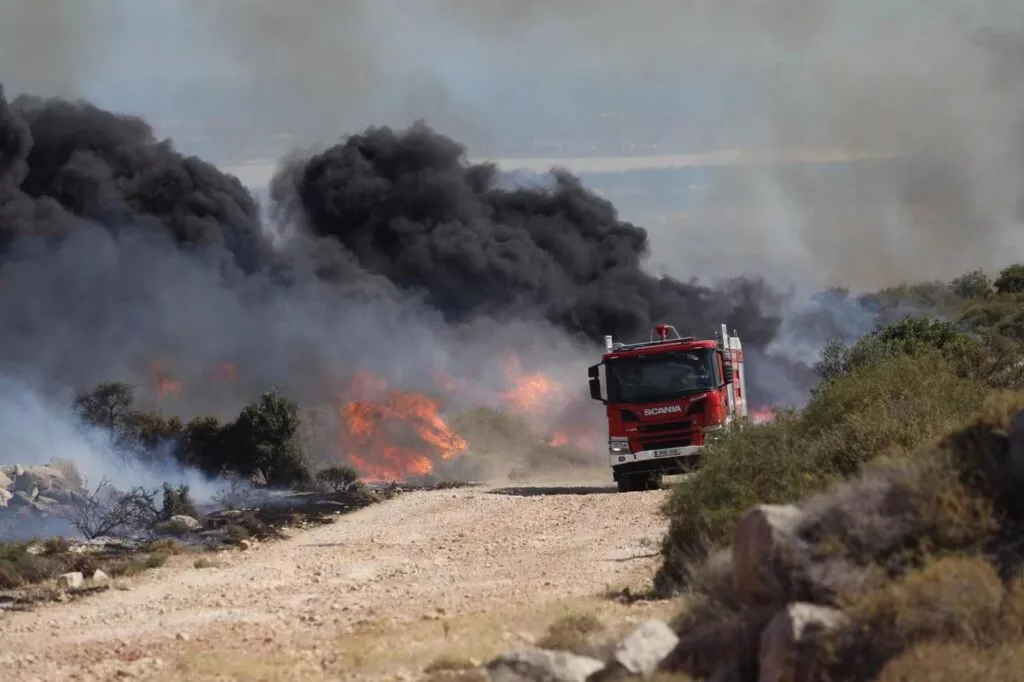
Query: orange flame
x=761, y=415
x=404, y=431
x=165, y=384
x=559, y=439
x=531, y=392
x=226, y=371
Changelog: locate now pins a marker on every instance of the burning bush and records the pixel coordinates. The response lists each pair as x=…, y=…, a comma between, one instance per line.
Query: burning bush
x=504, y=443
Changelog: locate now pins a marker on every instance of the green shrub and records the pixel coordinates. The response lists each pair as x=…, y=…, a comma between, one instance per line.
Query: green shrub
x=910, y=336
x=972, y=285
x=1011, y=280
x=885, y=408
x=262, y=442
x=177, y=502
x=337, y=478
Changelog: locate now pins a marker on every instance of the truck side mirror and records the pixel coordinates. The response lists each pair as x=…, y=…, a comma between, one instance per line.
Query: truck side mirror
x=594, y=374
x=727, y=370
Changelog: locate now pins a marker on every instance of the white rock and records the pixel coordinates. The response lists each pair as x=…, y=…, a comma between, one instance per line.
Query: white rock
x=100, y=578
x=70, y=581
x=531, y=663
x=642, y=651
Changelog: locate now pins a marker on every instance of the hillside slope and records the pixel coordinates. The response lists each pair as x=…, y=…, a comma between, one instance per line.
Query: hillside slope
x=379, y=594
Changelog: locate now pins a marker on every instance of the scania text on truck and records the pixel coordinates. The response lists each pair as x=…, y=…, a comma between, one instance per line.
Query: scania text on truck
x=663, y=397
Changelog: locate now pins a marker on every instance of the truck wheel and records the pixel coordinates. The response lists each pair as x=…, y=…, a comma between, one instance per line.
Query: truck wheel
x=631, y=483
x=628, y=483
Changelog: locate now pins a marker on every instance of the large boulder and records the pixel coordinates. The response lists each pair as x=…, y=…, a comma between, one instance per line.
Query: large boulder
x=42, y=478
x=5, y=497
x=765, y=553
x=788, y=643
x=532, y=664
x=731, y=644
x=6, y=481
x=20, y=498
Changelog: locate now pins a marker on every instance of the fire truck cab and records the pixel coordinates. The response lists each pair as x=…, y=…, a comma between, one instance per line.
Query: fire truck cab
x=662, y=397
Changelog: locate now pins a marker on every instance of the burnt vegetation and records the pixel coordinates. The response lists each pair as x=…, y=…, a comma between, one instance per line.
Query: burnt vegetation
x=907, y=467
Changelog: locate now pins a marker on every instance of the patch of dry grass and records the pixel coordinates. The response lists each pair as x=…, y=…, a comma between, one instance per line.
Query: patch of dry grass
x=953, y=600
x=571, y=632
x=955, y=662
x=206, y=562
x=446, y=664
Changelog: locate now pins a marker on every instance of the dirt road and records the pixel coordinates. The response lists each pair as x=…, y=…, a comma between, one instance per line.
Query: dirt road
x=377, y=595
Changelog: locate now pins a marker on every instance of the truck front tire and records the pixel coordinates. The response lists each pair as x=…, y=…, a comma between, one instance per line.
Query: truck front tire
x=630, y=483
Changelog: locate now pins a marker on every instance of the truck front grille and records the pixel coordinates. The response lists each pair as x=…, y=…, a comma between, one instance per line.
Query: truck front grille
x=666, y=426
x=664, y=435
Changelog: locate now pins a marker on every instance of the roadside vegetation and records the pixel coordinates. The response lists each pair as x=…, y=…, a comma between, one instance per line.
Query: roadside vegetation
x=908, y=467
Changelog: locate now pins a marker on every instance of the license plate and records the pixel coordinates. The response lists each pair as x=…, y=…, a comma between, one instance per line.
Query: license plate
x=668, y=452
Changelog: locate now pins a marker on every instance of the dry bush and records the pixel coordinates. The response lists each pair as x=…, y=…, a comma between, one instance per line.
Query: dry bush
x=205, y=562
x=167, y=546
x=710, y=597
x=571, y=632
x=56, y=545
x=236, y=533
x=952, y=662
x=104, y=512
x=129, y=566
x=237, y=495
x=9, y=578
x=70, y=472
x=444, y=664
x=35, y=568
x=951, y=600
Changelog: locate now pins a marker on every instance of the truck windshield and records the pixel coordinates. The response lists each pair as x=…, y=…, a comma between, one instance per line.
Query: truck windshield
x=660, y=377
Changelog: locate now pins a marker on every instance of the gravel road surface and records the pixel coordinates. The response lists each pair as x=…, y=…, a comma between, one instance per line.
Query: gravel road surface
x=377, y=595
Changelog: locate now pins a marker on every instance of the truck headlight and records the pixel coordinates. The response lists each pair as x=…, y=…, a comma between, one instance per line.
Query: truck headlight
x=618, y=445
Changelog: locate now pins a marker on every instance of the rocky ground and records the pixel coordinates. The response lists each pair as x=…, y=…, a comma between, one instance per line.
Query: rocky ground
x=380, y=594
x=32, y=496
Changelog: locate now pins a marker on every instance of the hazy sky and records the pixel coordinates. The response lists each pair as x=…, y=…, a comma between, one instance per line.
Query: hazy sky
x=939, y=81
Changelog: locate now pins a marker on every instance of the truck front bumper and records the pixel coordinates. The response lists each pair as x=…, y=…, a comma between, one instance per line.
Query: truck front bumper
x=653, y=457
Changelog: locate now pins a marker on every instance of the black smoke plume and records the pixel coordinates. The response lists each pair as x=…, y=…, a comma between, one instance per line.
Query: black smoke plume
x=122, y=259
x=411, y=208
x=63, y=160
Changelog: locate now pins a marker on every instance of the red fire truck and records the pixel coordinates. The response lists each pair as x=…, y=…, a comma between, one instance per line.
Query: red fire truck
x=662, y=397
